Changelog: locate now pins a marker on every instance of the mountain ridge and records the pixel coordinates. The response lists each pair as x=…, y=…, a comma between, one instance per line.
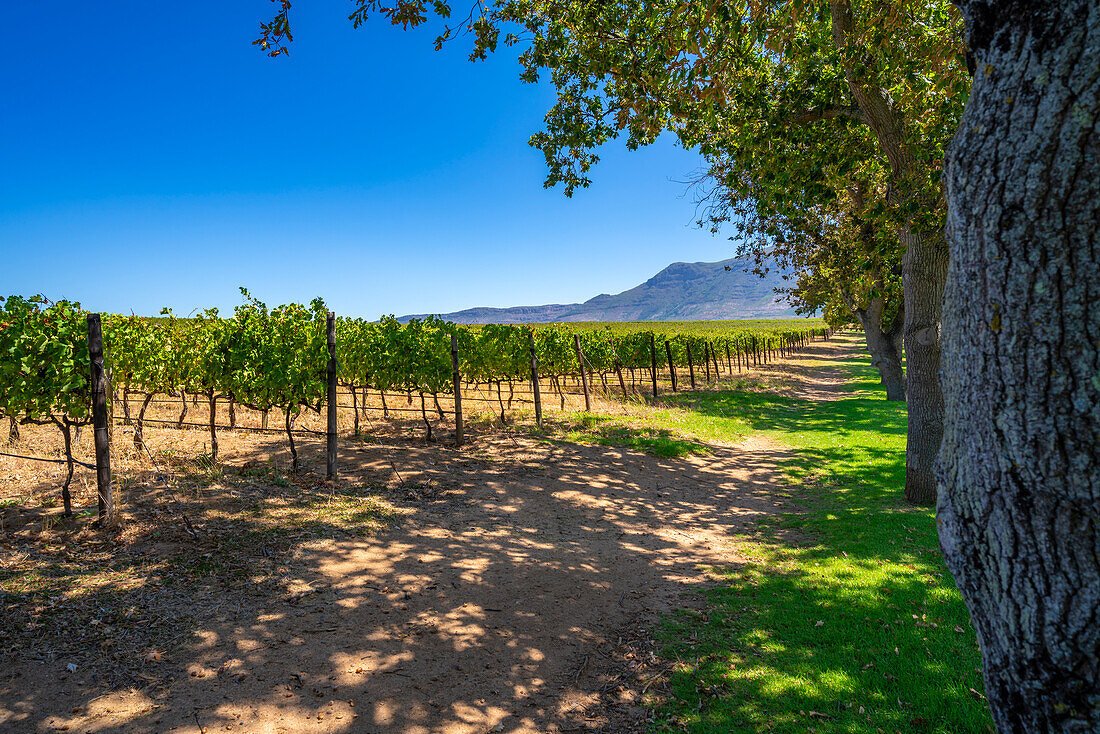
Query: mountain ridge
x=700, y=291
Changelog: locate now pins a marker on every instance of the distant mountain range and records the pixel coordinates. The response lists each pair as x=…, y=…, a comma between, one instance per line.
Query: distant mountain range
x=680, y=292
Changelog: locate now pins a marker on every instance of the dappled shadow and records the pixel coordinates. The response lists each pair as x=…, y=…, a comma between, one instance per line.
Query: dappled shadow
x=480, y=609
x=612, y=431
x=911, y=667
x=859, y=629
x=871, y=564
x=489, y=602
x=766, y=411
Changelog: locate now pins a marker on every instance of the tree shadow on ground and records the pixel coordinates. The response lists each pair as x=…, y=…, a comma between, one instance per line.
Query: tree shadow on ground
x=858, y=628
x=489, y=589
x=501, y=570
x=608, y=430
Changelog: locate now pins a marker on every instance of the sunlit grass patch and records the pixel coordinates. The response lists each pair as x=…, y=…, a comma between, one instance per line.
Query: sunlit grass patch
x=666, y=437
x=857, y=627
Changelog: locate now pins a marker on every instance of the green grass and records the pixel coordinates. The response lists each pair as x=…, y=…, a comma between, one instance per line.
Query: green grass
x=669, y=432
x=845, y=619
x=608, y=431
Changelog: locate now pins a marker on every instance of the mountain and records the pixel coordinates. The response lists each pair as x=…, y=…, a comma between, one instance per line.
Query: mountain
x=680, y=292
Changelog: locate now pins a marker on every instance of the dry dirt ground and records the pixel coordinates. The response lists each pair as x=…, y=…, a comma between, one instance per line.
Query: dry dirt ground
x=511, y=590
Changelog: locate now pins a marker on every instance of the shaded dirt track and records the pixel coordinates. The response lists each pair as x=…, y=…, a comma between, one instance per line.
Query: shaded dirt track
x=507, y=602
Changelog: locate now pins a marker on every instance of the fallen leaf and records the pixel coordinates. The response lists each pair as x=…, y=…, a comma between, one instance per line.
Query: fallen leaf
x=820, y=623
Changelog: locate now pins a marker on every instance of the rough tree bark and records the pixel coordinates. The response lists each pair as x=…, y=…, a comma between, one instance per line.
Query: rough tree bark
x=923, y=275
x=1019, y=504
x=884, y=345
x=885, y=356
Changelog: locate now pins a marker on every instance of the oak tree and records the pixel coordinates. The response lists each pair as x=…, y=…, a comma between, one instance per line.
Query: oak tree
x=1019, y=505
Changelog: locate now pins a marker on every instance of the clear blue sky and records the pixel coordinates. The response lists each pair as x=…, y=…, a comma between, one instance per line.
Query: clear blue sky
x=151, y=156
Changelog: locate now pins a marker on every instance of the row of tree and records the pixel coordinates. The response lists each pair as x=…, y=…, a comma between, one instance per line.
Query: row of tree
x=828, y=125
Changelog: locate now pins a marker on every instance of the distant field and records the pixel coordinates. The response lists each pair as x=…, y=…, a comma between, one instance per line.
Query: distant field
x=671, y=327
x=660, y=327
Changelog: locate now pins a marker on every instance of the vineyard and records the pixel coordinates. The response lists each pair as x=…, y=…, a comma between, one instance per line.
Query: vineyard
x=296, y=369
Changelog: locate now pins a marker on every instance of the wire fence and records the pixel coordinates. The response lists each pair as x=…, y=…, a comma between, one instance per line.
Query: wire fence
x=496, y=398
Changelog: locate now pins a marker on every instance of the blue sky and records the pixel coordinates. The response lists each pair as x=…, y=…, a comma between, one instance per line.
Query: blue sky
x=152, y=157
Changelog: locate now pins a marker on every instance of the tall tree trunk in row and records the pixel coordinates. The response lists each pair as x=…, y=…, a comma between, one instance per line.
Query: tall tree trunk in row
x=1019, y=506
x=923, y=270
x=884, y=345
x=923, y=275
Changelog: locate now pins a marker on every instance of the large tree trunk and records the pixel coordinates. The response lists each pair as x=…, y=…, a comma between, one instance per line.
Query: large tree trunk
x=1019, y=506
x=923, y=274
x=885, y=347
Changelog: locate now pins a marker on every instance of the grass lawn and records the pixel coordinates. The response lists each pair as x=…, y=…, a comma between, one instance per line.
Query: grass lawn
x=846, y=618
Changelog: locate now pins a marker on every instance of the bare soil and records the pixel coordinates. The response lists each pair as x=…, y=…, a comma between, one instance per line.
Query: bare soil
x=511, y=589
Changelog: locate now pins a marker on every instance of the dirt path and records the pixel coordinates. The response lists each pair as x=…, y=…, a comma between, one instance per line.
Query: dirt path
x=500, y=605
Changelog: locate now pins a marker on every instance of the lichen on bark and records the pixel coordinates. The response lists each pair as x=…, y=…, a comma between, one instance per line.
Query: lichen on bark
x=1019, y=501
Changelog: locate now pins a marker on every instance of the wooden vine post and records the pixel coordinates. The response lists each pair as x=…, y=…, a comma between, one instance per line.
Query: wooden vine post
x=584, y=376
x=706, y=358
x=653, y=362
x=99, y=422
x=691, y=367
x=212, y=397
x=330, y=326
x=535, y=377
x=671, y=367
x=729, y=359
x=457, y=378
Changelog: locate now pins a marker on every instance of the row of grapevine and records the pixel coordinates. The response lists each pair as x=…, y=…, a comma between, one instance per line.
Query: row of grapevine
x=45, y=372
x=276, y=358
x=415, y=356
